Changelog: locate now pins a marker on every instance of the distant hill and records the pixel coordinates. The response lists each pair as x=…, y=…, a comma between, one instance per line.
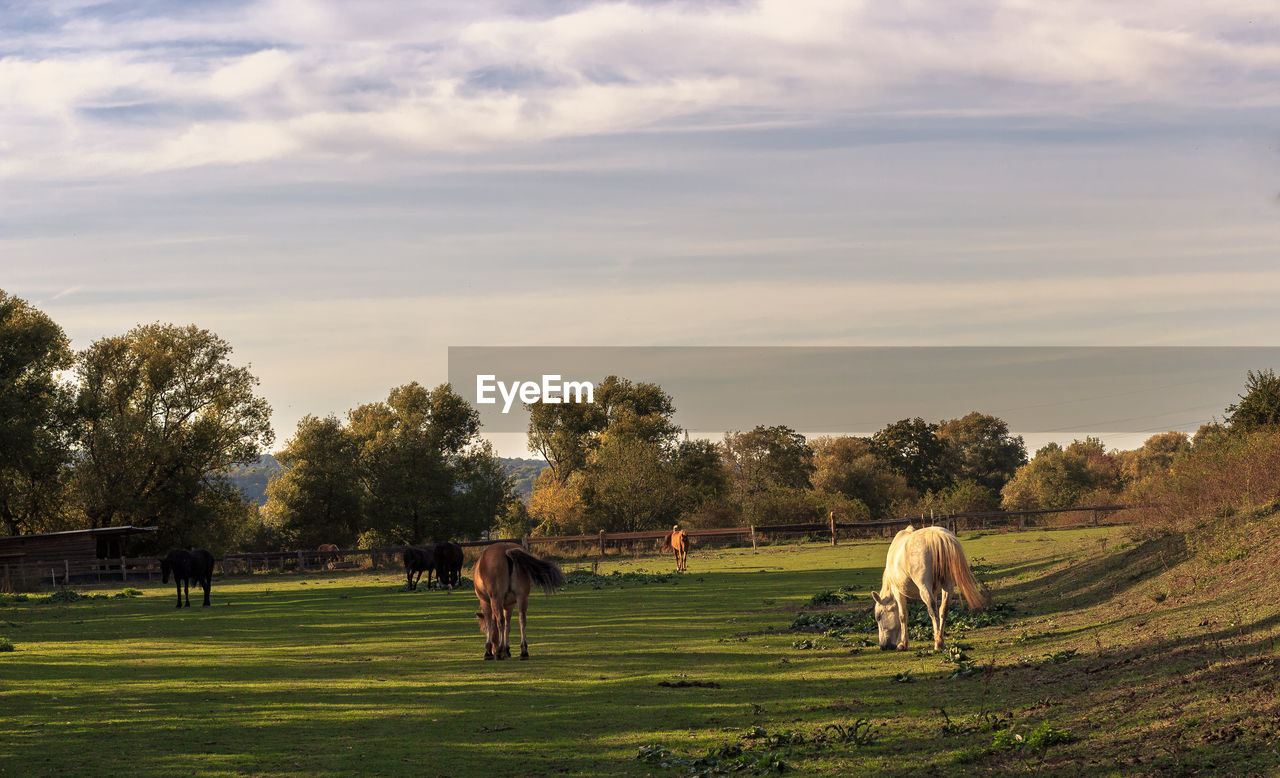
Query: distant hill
x=524, y=472
x=252, y=479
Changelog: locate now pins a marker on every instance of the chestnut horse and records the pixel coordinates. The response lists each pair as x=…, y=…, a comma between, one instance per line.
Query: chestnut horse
x=677, y=540
x=329, y=554
x=418, y=559
x=503, y=576
x=186, y=567
x=927, y=564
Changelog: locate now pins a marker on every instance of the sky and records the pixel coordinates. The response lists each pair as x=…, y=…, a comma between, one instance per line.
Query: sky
x=344, y=190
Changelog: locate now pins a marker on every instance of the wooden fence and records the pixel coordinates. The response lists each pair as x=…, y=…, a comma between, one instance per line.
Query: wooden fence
x=26, y=574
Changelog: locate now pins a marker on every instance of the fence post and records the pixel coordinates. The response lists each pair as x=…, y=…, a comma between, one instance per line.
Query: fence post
x=753, y=538
x=8, y=586
x=832, y=516
x=524, y=542
x=302, y=563
x=66, y=572
x=602, y=544
x=124, y=575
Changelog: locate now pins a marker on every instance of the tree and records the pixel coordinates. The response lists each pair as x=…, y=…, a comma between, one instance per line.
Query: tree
x=912, y=448
x=699, y=472
x=164, y=414
x=565, y=434
x=408, y=447
x=768, y=467
x=1259, y=406
x=1063, y=478
x=982, y=450
x=317, y=497
x=1155, y=456
x=629, y=485
x=35, y=418
x=484, y=492
x=848, y=466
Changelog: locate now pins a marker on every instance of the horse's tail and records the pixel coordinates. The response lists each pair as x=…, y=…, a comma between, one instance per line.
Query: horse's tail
x=951, y=563
x=544, y=574
x=666, y=543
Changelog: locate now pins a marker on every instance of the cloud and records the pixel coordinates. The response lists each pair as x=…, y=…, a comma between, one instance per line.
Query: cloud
x=258, y=81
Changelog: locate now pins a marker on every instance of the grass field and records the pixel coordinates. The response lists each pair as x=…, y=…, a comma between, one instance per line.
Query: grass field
x=1117, y=658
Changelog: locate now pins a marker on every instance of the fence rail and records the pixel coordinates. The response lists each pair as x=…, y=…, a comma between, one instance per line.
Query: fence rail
x=26, y=573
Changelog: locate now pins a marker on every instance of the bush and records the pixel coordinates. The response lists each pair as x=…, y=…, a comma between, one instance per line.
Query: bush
x=6, y=645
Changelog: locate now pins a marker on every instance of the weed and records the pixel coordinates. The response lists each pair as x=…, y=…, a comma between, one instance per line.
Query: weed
x=1061, y=657
x=129, y=591
x=6, y=645
x=902, y=677
x=859, y=733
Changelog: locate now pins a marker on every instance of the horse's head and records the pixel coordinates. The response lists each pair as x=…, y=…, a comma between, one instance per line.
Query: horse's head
x=165, y=568
x=887, y=621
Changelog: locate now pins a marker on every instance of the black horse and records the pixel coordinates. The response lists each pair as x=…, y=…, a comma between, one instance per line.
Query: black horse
x=188, y=567
x=448, y=563
x=418, y=560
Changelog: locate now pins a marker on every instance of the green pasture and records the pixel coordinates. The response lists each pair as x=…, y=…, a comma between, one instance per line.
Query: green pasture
x=339, y=674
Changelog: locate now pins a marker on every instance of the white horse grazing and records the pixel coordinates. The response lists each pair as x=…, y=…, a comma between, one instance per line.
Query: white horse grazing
x=928, y=564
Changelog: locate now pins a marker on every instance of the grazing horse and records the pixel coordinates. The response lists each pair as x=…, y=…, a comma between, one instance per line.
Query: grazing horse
x=503, y=576
x=448, y=563
x=186, y=567
x=677, y=540
x=329, y=554
x=418, y=559
x=928, y=564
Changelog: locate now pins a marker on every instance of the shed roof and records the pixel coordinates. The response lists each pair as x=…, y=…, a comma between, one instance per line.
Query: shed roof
x=127, y=530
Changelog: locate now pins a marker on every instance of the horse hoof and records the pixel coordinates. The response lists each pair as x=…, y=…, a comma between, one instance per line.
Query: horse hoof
x=524, y=654
x=488, y=656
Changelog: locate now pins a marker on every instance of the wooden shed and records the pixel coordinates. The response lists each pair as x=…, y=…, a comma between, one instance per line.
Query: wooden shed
x=71, y=553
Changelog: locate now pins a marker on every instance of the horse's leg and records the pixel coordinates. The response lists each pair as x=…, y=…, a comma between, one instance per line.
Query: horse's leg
x=524, y=644
x=206, y=583
x=900, y=600
x=927, y=596
x=498, y=610
x=938, y=635
x=177, y=582
x=186, y=589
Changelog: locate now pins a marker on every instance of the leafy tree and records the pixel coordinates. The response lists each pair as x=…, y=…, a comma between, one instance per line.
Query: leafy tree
x=912, y=448
x=698, y=469
x=408, y=447
x=629, y=485
x=164, y=413
x=556, y=505
x=484, y=491
x=1259, y=406
x=982, y=450
x=35, y=418
x=1155, y=456
x=848, y=466
x=1063, y=478
x=767, y=467
x=565, y=434
x=317, y=497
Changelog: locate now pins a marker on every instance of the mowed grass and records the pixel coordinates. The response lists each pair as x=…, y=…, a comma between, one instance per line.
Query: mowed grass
x=338, y=674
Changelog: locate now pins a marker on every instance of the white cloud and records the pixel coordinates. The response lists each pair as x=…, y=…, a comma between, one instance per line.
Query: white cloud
x=375, y=78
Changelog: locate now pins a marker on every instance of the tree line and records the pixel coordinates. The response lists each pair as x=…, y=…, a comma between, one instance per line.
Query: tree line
x=142, y=428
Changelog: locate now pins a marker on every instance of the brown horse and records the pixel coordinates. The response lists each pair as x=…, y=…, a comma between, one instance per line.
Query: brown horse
x=503, y=576
x=677, y=540
x=329, y=554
